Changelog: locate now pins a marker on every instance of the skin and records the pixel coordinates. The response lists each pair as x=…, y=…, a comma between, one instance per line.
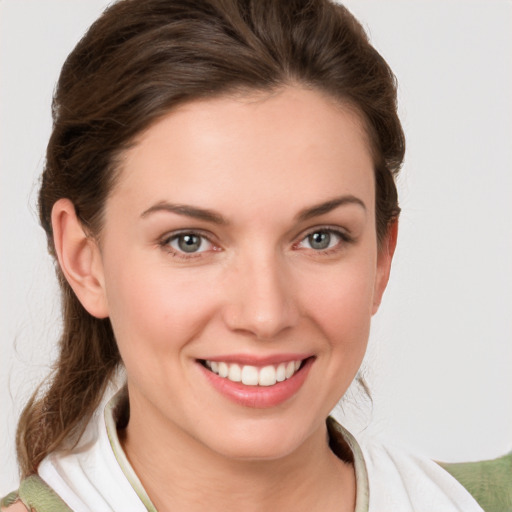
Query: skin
x=256, y=287
x=15, y=507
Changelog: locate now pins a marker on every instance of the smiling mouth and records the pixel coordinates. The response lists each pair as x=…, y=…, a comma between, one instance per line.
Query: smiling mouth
x=249, y=375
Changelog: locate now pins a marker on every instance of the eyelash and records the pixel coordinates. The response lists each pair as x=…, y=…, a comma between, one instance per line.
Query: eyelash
x=344, y=238
x=165, y=242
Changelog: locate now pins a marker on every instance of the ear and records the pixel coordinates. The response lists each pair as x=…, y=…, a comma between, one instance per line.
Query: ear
x=384, y=259
x=79, y=258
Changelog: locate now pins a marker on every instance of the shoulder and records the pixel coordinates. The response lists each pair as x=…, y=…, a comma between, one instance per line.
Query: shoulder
x=12, y=503
x=488, y=481
x=399, y=480
x=35, y=495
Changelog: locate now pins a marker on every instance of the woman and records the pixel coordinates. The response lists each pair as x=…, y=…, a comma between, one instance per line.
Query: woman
x=219, y=196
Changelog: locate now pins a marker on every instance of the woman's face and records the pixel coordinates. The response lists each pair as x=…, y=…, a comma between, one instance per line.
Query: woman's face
x=240, y=243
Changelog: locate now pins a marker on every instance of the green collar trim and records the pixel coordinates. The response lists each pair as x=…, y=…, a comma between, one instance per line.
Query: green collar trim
x=115, y=409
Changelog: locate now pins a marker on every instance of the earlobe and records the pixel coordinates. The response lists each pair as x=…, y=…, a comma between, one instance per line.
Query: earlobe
x=79, y=258
x=384, y=259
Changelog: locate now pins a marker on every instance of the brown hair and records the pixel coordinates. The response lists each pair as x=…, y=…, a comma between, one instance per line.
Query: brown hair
x=137, y=62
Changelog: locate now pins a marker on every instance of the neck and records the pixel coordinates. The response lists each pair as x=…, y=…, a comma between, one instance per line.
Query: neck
x=194, y=477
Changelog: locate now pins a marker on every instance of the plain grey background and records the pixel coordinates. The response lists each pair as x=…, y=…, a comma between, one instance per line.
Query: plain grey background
x=440, y=356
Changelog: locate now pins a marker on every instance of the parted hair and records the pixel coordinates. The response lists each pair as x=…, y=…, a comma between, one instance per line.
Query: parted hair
x=135, y=64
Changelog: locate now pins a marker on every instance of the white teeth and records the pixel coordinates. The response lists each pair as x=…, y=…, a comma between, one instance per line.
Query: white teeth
x=281, y=372
x=235, y=373
x=267, y=376
x=252, y=375
x=223, y=370
x=290, y=369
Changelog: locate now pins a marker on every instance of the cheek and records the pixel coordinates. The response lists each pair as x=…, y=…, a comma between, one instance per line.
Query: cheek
x=154, y=310
x=340, y=302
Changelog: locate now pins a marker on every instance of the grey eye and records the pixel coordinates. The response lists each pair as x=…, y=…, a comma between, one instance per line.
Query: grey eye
x=188, y=242
x=319, y=240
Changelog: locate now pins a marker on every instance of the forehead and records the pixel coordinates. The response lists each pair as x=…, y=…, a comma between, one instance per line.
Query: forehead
x=295, y=144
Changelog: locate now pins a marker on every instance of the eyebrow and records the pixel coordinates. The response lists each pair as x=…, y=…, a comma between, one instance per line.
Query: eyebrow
x=327, y=206
x=214, y=217
x=188, y=211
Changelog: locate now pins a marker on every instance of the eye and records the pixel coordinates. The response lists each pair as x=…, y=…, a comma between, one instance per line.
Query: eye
x=323, y=239
x=188, y=243
x=320, y=240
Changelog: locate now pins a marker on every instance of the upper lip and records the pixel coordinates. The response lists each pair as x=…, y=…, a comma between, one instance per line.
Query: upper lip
x=255, y=360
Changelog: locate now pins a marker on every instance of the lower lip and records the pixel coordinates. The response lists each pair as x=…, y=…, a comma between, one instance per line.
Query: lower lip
x=259, y=397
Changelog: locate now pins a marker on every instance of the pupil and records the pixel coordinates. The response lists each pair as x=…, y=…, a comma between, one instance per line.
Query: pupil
x=189, y=243
x=320, y=240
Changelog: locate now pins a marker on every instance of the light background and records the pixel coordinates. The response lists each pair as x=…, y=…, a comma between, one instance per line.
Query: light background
x=440, y=359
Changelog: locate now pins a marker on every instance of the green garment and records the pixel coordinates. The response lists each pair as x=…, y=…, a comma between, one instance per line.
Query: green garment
x=488, y=481
x=36, y=496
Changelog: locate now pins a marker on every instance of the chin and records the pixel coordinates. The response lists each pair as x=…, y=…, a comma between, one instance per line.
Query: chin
x=259, y=440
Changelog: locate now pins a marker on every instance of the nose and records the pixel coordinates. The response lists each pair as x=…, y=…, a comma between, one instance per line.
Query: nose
x=261, y=301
